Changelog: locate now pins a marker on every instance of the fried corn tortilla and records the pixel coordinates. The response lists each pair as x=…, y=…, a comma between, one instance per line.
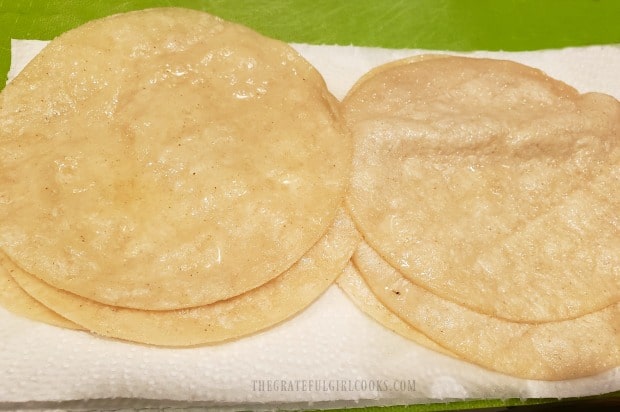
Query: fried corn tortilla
x=14, y=299
x=165, y=159
x=353, y=285
x=567, y=349
x=250, y=312
x=489, y=184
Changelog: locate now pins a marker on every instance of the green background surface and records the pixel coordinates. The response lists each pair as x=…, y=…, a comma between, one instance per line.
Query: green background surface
x=430, y=24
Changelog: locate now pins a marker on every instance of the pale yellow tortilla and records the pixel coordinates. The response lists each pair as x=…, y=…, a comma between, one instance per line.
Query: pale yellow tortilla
x=248, y=313
x=568, y=349
x=165, y=159
x=353, y=285
x=489, y=184
x=15, y=300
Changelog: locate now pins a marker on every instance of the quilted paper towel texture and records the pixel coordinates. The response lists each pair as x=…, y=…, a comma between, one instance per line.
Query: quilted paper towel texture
x=331, y=340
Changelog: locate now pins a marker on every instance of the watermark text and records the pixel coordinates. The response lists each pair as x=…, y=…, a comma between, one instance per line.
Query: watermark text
x=333, y=385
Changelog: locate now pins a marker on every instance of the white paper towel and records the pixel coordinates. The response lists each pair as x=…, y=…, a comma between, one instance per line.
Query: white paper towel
x=331, y=355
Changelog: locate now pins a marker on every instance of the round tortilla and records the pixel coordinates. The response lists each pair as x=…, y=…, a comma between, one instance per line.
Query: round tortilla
x=567, y=349
x=353, y=285
x=242, y=315
x=489, y=184
x=172, y=160
x=15, y=300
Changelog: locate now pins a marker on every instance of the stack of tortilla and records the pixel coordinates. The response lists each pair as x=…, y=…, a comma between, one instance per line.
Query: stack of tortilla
x=170, y=178
x=487, y=195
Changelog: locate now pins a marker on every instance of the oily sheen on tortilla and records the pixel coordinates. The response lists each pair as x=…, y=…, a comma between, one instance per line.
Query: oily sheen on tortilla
x=489, y=184
x=242, y=315
x=568, y=349
x=165, y=159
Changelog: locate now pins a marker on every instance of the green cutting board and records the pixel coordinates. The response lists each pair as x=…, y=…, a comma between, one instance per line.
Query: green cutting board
x=429, y=24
